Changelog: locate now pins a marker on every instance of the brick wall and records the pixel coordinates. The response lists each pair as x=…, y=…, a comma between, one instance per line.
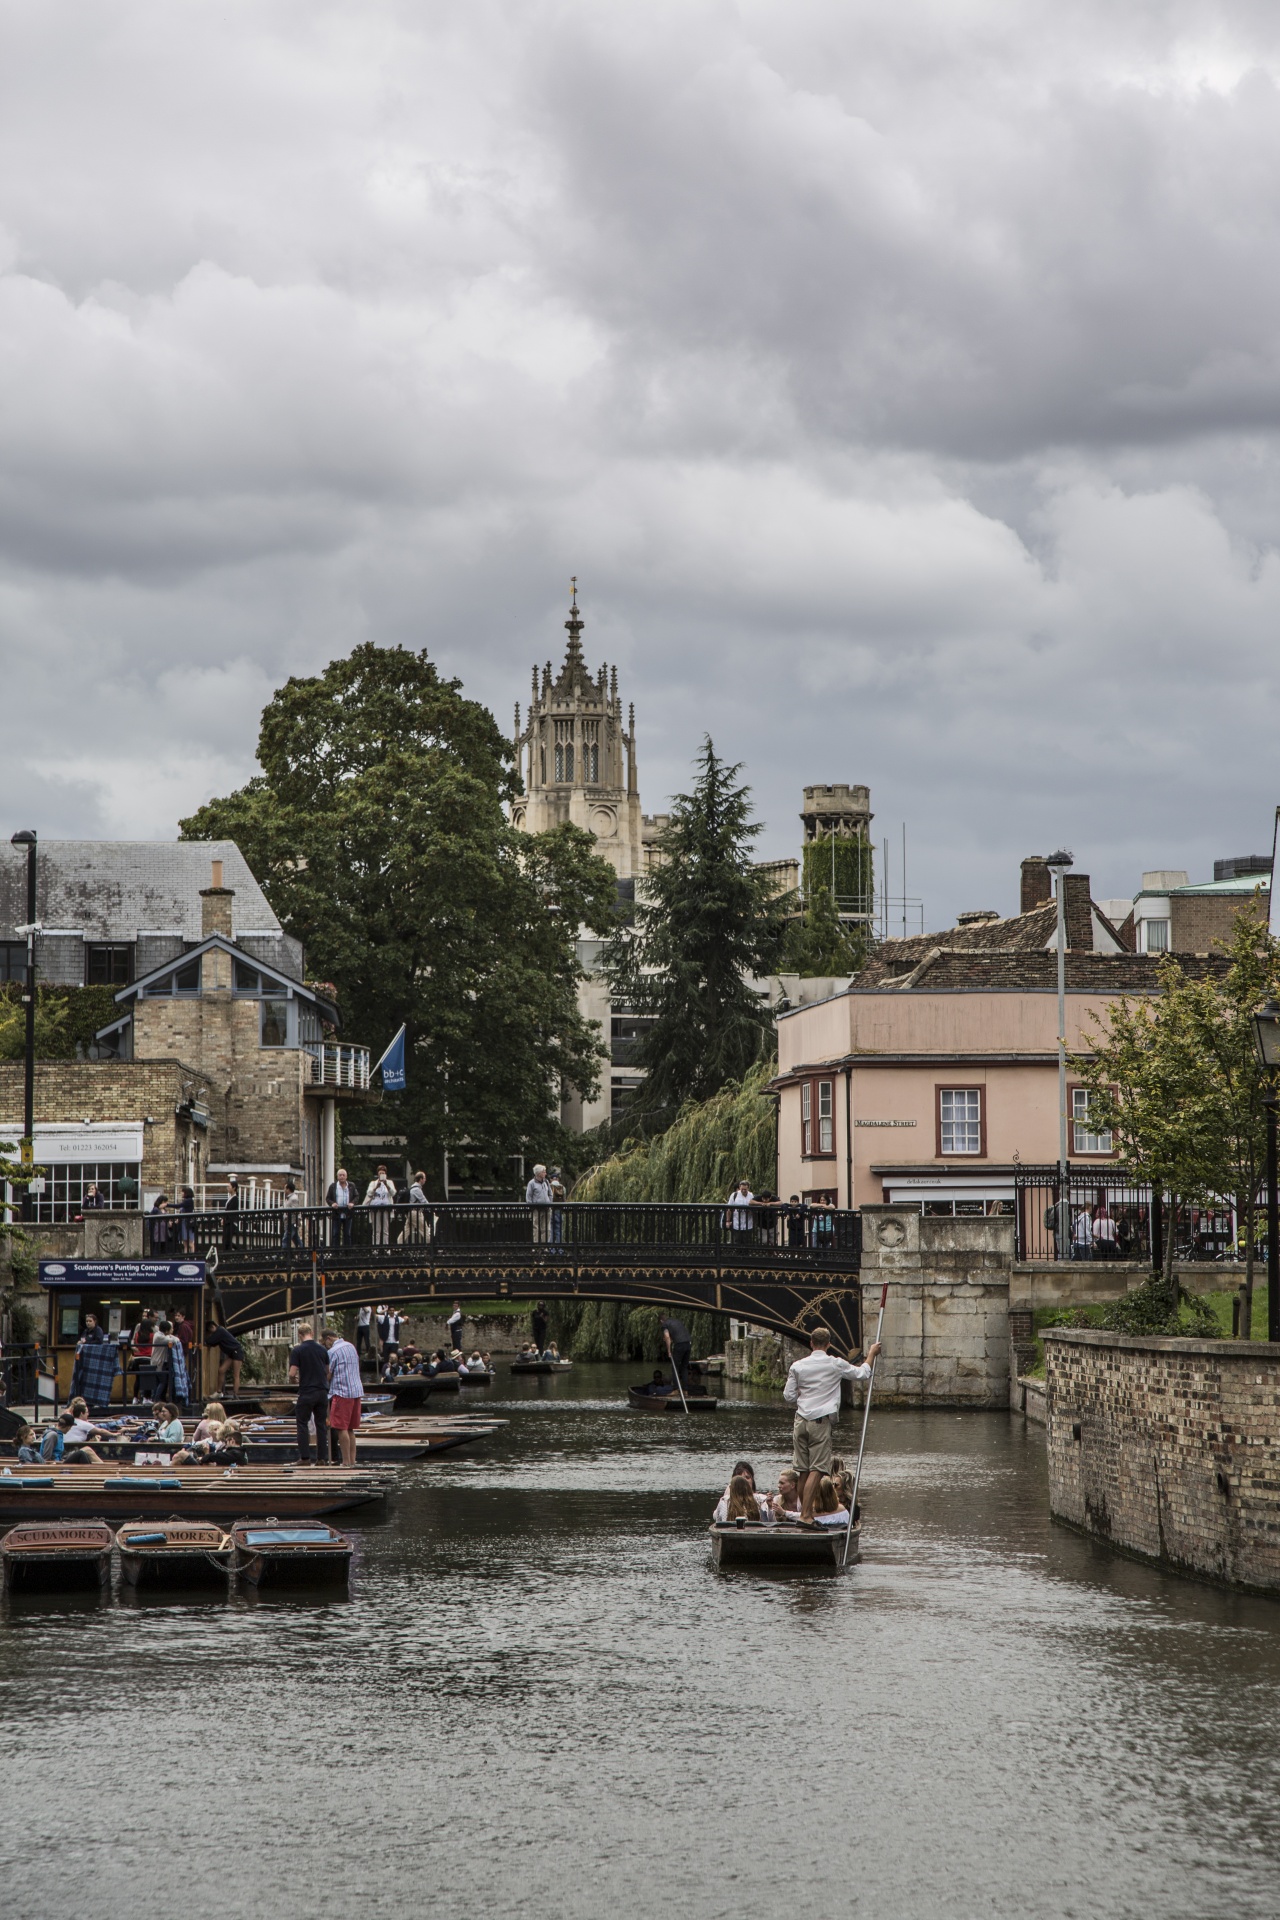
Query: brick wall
x=71, y=1090
x=1169, y=1449
x=1197, y=923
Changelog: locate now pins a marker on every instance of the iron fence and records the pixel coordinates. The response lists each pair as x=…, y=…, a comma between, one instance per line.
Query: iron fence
x=1108, y=1213
x=805, y=1235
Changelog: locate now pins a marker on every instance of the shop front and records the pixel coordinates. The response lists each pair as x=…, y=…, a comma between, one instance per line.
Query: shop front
x=117, y=1293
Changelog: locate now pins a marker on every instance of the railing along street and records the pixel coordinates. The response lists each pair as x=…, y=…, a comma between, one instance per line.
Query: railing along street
x=1113, y=1214
x=804, y=1236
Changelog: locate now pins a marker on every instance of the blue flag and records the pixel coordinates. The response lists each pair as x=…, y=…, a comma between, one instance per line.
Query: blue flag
x=391, y=1066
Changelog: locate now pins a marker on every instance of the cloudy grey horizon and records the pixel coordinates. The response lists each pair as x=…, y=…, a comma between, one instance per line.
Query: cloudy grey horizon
x=903, y=387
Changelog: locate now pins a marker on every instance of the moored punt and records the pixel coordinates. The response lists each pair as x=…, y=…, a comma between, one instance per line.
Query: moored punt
x=478, y=1376
x=541, y=1366
x=670, y=1402
x=196, y=1493
x=174, y=1553
x=57, y=1556
x=788, y=1544
x=302, y=1553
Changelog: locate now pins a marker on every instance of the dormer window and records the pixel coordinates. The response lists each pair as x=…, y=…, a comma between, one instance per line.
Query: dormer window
x=181, y=981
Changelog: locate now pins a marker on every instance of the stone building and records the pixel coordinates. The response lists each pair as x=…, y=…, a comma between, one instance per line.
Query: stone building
x=577, y=761
x=220, y=1057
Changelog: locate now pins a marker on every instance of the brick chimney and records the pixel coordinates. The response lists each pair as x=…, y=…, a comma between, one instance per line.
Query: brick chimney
x=1037, y=886
x=215, y=906
x=1079, y=912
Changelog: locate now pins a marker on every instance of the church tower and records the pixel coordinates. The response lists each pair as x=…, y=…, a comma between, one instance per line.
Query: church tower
x=576, y=759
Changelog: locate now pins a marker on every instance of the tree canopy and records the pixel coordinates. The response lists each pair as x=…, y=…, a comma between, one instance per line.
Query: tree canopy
x=377, y=830
x=712, y=1145
x=1177, y=1081
x=706, y=922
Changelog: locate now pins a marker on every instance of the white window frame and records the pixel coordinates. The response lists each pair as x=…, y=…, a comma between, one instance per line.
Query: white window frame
x=963, y=1122
x=1083, y=1139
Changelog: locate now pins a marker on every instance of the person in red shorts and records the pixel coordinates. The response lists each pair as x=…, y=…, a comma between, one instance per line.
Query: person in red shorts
x=346, y=1391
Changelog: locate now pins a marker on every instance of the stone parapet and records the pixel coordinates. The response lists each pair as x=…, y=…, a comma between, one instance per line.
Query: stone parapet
x=946, y=1328
x=1169, y=1449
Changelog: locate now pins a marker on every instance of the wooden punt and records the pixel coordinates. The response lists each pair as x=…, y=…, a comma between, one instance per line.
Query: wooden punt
x=788, y=1544
x=174, y=1553
x=192, y=1493
x=301, y=1553
x=670, y=1402
x=480, y=1377
x=541, y=1366
x=58, y=1556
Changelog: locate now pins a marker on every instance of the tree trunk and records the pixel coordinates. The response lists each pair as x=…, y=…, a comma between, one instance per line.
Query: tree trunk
x=1170, y=1237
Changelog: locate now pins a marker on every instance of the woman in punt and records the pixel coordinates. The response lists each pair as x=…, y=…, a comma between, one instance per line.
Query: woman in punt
x=827, y=1508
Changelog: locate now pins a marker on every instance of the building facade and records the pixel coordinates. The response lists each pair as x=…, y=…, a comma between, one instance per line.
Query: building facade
x=220, y=1057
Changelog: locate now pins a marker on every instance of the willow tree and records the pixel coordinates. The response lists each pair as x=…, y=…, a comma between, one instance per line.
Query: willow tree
x=707, y=925
x=712, y=1144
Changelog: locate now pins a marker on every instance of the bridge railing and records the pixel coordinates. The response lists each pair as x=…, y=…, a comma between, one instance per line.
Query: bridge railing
x=803, y=1235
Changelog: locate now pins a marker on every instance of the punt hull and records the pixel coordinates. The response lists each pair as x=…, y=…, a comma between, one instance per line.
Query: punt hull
x=195, y=1493
x=60, y=1557
x=782, y=1545
x=297, y=1556
x=541, y=1366
x=173, y=1553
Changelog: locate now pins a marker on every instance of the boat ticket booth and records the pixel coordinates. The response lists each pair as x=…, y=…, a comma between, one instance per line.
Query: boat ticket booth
x=117, y=1292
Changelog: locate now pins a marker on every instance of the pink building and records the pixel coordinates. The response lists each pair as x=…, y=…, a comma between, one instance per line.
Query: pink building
x=935, y=1074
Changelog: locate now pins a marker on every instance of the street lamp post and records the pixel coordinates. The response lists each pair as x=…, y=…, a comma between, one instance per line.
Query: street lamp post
x=27, y=839
x=1266, y=1040
x=1057, y=864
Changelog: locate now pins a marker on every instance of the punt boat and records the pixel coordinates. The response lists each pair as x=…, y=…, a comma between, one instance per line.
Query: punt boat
x=478, y=1377
x=670, y=1402
x=309, y=1552
x=191, y=1493
x=541, y=1366
x=57, y=1556
x=174, y=1553
x=790, y=1543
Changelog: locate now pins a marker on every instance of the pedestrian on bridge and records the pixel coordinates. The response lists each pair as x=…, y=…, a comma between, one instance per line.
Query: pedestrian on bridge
x=538, y=1195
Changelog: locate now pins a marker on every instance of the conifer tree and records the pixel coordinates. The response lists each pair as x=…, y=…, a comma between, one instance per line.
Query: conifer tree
x=706, y=923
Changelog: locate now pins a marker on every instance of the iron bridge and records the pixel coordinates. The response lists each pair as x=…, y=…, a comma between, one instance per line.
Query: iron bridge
x=788, y=1269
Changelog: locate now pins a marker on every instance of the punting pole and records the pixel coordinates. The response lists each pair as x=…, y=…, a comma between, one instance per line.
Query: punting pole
x=676, y=1372
x=862, y=1444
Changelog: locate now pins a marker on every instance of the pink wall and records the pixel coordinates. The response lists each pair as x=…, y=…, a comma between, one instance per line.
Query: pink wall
x=1020, y=1100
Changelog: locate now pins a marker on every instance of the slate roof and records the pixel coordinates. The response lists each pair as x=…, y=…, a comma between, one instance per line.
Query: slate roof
x=116, y=889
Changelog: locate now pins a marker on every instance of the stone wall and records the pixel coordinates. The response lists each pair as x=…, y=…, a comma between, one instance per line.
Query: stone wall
x=772, y=1352
x=1169, y=1449
x=946, y=1329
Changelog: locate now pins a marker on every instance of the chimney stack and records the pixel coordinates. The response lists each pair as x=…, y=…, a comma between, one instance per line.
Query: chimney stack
x=215, y=906
x=1037, y=886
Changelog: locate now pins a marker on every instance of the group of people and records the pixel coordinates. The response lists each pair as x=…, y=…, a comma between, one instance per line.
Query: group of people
x=407, y=1361
x=326, y=1373
x=550, y=1353
x=68, y=1440
x=383, y=1197
x=741, y=1500
x=765, y=1219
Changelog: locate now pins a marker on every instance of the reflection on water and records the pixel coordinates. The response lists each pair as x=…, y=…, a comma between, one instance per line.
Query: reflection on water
x=540, y=1699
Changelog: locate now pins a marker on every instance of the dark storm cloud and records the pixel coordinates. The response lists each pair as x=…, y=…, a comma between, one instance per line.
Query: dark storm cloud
x=903, y=384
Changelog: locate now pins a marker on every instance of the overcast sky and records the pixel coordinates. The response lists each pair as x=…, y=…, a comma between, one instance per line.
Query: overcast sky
x=902, y=382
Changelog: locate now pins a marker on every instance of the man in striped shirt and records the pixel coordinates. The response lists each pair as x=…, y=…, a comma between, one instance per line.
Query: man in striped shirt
x=346, y=1391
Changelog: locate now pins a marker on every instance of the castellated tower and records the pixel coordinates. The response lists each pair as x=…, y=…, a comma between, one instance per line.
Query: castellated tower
x=576, y=759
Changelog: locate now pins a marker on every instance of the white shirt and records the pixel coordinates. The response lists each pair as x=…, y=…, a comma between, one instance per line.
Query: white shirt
x=455, y=1318
x=740, y=1216
x=341, y=1195
x=813, y=1384
x=721, y=1514
x=364, y=1317
x=381, y=1193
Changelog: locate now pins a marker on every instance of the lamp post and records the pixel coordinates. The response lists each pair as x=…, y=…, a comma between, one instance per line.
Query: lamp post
x=1057, y=864
x=26, y=838
x=1266, y=1040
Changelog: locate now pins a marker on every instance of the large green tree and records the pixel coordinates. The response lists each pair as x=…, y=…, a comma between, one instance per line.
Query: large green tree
x=706, y=921
x=377, y=830
x=1176, y=1080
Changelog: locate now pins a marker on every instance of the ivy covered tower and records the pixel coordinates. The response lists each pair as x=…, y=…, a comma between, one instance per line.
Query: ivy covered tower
x=577, y=760
x=837, y=850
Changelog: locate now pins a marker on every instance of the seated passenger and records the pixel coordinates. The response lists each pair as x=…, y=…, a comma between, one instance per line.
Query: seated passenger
x=229, y=1448
x=552, y=1352
x=786, y=1501
x=28, y=1445
x=659, y=1383
x=744, y=1470
x=393, y=1369
x=169, y=1428
x=445, y=1362
x=827, y=1510
x=842, y=1481
x=215, y=1416
x=54, y=1445
x=740, y=1503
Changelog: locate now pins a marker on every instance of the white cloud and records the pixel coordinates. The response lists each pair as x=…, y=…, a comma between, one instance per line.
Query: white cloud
x=903, y=386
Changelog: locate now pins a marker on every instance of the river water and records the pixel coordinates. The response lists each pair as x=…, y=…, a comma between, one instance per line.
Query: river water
x=541, y=1700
